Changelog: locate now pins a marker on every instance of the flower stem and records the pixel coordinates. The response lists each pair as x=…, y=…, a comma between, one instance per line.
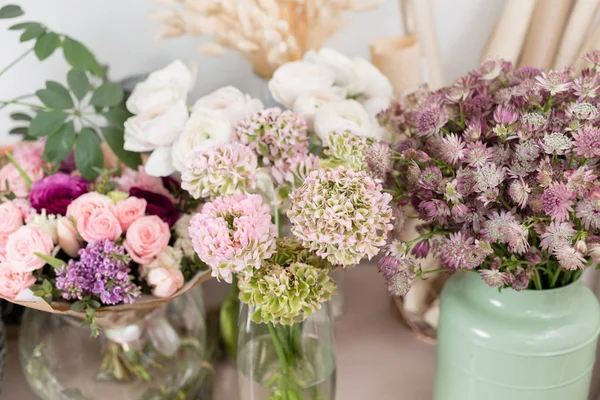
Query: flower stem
x=4, y=103
x=536, y=280
x=424, y=236
x=277, y=221
x=282, y=360
x=23, y=174
x=12, y=64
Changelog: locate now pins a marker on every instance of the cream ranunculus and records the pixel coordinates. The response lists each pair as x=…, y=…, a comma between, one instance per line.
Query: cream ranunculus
x=205, y=129
x=298, y=78
x=346, y=115
x=375, y=105
x=342, y=67
x=373, y=81
x=230, y=103
x=307, y=105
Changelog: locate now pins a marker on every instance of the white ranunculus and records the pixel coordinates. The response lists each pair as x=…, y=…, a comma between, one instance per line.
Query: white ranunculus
x=160, y=162
x=162, y=88
x=375, y=105
x=307, y=105
x=345, y=115
x=230, y=103
x=373, y=81
x=204, y=129
x=342, y=67
x=297, y=78
x=155, y=127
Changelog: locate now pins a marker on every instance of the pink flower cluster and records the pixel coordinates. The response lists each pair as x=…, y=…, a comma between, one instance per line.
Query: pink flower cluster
x=502, y=167
x=233, y=234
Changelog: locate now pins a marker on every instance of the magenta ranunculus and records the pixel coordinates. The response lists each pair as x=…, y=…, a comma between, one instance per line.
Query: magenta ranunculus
x=158, y=205
x=56, y=192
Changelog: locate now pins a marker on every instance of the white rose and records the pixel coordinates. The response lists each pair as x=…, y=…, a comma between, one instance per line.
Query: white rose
x=298, y=78
x=373, y=81
x=375, y=105
x=186, y=246
x=204, y=129
x=346, y=115
x=307, y=105
x=230, y=103
x=164, y=273
x=182, y=226
x=342, y=67
x=163, y=87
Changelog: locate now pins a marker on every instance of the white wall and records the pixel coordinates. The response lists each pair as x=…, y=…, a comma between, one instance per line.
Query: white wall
x=120, y=34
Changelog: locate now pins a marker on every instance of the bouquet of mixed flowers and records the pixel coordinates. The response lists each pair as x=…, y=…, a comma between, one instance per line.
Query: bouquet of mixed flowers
x=502, y=169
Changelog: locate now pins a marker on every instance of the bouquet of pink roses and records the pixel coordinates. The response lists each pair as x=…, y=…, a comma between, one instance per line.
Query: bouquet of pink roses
x=502, y=168
x=66, y=242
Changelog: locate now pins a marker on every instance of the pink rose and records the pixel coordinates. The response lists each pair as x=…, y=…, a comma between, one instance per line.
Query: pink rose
x=26, y=210
x=11, y=178
x=165, y=282
x=146, y=238
x=130, y=209
x=22, y=245
x=11, y=218
x=101, y=223
x=68, y=239
x=12, y=283
x=3, y=240
x=82, y=207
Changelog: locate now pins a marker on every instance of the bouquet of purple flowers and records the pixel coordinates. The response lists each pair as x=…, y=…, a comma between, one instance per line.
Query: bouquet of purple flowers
x=502, y=168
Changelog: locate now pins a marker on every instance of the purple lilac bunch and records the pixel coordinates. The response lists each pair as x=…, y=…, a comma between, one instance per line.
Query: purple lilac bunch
x=502, y=168
x=102, y=272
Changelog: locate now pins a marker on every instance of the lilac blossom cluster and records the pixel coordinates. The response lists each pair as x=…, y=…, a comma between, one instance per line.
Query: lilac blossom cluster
x=502, y=168
x=102, y=271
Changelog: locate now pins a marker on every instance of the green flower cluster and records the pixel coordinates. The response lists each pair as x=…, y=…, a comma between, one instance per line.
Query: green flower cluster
x=347, y=150
x=285, y=294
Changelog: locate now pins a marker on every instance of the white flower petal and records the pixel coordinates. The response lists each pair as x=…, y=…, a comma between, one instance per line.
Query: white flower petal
x=160, y=162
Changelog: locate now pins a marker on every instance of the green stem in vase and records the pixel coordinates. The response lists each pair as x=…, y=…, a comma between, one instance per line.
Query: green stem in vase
x=282, y=359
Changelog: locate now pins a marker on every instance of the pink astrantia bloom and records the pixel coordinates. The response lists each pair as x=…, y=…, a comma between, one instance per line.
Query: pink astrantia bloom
x=518, y=192
x=431, y=121
x=554, y=82
x=569, y=258
x=477, y=154
x=589, y=212
x=557, y=201
x=233, y=234
x=587, y=141
x=453, y=148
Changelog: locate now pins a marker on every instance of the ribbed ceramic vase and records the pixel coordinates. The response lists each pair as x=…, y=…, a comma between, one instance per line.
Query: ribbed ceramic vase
x=509, y=345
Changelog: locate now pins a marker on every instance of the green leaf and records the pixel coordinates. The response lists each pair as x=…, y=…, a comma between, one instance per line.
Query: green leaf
x=114, y=137
x=45, y=45
x=20, y=130
x=79, y=83
x=47, y=286
x=60, y=143
x=94, y=304
x=54, y=262
x=107, y=95
x=11, y=11
x=55, y=96
x=118, y=115
x=88, y=154
x=20, y=117
x=46, y=122
x=80, y=57
x=78, y=306
x=33, y=32
x=24, y=25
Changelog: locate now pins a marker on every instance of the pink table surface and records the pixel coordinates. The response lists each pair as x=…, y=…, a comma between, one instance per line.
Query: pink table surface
x=377, y=357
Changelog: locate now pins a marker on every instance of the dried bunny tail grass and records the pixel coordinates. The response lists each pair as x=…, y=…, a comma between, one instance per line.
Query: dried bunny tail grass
x=268, y=33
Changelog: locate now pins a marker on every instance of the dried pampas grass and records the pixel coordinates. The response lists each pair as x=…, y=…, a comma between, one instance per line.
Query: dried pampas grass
x=268, y=33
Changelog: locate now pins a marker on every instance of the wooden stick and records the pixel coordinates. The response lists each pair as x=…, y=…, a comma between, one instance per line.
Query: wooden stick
x=511, y=31
x=422, y=12
x=591, y=43
x=547, y=26
x=578, y=26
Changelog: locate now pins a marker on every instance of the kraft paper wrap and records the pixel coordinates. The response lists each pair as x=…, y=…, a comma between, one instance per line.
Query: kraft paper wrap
x=398, y=58
x=510, y=33
x=547, y=27
x=119, y=315
x=591, y=43
x=578, y=26
x=418, y=20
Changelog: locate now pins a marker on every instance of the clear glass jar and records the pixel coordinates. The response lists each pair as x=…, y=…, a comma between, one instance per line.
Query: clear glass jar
x=280, y=362
x=156, y=356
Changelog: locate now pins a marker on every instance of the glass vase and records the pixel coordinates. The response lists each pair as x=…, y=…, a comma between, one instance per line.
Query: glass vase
x=282, y=362
x=527, y=345
x=157, y=354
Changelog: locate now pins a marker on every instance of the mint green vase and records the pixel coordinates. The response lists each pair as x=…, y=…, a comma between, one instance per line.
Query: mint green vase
x=509, y=345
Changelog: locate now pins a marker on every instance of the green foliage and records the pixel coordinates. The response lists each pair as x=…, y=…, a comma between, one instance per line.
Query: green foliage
x=86, y=96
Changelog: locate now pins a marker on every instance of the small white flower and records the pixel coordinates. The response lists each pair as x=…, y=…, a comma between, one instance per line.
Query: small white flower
x=298, y=78
x=346, y=115
x=374, y=82
x=375, y=105
x=346, y=75
x=230, y=103
x=204, y=129
x=46, y=223
x=306, y=106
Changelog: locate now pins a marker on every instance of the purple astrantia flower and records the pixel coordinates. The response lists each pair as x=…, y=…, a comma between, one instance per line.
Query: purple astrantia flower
x=103, y=271
x=158, y=205
x=55, y=192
